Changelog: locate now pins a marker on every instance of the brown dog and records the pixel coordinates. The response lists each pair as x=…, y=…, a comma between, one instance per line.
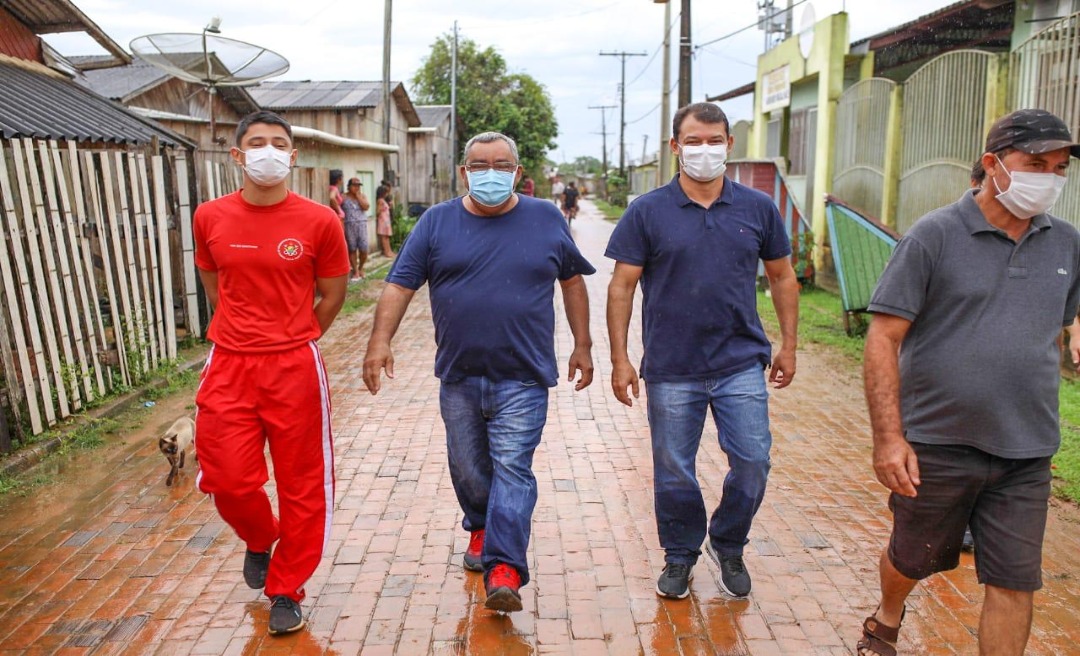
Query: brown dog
x=175, y=443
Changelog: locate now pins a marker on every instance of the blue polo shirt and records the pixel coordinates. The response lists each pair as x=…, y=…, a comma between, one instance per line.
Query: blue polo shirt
x=698, y=286
x=492, y=283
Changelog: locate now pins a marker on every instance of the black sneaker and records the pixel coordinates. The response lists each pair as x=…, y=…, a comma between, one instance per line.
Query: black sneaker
x=256, y=565
x=674, y=581
x=285, y=615
x=734, y=579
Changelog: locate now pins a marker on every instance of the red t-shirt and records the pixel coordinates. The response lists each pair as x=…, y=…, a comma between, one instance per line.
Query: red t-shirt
x=267, y=259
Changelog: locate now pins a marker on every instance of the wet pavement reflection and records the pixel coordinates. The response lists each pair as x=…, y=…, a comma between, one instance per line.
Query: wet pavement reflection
x=103, y=558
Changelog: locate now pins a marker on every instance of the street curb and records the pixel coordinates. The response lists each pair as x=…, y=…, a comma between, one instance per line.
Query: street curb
x=27, y=458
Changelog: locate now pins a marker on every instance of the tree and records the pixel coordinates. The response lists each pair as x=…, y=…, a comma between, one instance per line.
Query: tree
x=489, y=98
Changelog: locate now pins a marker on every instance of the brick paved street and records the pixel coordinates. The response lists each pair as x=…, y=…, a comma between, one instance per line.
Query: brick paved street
x=109, y=560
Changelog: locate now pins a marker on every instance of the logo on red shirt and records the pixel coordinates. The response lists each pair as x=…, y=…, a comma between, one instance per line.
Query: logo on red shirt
x=290, y=249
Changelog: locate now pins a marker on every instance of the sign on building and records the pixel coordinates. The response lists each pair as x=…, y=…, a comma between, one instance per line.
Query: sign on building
x=776, y=89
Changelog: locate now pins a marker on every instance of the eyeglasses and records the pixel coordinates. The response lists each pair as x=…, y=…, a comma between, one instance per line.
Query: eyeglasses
x=483, y=167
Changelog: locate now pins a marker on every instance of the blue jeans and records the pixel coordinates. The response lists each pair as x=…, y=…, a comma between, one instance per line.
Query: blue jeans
x=492, y=431
x=740, y=407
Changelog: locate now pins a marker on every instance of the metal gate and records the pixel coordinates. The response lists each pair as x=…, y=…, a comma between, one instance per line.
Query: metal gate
x=1046, y=74
x=945, y=118
x=862, y=121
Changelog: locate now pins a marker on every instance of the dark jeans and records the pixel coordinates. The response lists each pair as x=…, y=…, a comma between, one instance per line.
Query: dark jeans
x=492, y=431
x=677, y=412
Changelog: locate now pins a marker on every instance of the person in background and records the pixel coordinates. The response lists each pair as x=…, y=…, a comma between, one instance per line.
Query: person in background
x=333, y=194
x=356, y=205
x=557, y=189
x=383, y=226
x=262, y=253
x=528, y=187
x=570, y=201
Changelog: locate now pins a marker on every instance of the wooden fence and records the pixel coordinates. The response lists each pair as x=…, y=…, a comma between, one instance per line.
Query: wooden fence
x=96, y=245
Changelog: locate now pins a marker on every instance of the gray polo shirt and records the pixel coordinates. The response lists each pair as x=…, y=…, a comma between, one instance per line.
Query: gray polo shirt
x=980, y=363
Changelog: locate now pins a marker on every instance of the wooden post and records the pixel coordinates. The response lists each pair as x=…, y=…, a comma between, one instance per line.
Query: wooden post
x=164, y=255
x=83, y=260
x=45, y=322
x=122, y=334
x=61, y=218
x=159, y=308
x=26, y=390
x=138, y=244
x=187, y=244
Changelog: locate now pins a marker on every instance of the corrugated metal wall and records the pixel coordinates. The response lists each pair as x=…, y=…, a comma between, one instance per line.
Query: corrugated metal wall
x=862, y=121
x=944, y=122
x=1046, y=74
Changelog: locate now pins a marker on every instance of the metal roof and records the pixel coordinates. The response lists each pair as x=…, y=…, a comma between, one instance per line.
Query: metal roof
x=432, y=116
x=316, y=94
x=307, y=94
x=55, y=16
x=124, y=83
x=46, y=107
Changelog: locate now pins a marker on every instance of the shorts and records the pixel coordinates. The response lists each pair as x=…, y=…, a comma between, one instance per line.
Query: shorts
x=356, y=236
x=1003, y=500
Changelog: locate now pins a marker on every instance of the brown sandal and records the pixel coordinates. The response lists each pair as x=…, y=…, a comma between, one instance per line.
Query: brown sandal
x=879, y=638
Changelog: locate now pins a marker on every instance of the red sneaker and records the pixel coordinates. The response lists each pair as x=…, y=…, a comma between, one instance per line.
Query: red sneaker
x=475, y=550
x=502, y=584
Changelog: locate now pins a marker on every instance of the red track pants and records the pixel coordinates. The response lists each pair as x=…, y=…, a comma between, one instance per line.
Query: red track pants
x=245, y=401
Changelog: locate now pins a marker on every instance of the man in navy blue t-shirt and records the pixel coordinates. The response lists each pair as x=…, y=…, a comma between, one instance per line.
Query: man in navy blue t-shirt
x=694, y=245
x=491, y=260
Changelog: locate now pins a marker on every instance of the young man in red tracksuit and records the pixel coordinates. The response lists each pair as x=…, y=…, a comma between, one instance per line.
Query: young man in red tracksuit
x=262, y=252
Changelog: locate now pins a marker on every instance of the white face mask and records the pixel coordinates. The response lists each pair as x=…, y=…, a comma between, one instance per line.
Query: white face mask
x=1030, y=194
x=267, y=166
x=704, y=163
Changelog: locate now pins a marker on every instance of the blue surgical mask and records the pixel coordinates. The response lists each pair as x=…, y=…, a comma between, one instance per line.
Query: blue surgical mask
x=491, y=187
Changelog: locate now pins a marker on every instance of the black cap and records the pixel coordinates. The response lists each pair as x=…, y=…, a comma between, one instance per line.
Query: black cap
x=1032, y=131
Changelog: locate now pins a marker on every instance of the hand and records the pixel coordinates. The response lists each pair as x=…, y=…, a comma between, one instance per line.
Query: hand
x=377, y=358
x=581, y=360
x=623, y=375
x=783, y=369
x=896, y=465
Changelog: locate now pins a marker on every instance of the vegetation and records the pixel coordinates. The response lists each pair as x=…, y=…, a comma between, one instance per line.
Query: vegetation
x=363, y=294
x=490, y=98
x=611, y=212
x=821, y=322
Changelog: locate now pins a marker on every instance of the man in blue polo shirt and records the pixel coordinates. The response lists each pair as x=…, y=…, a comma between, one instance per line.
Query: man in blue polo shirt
x=694, y=245
x=962, y=369
x=491, y=260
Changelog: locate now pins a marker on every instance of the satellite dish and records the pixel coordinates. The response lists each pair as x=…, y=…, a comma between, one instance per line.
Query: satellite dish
x=210, y=60
x=806, y=31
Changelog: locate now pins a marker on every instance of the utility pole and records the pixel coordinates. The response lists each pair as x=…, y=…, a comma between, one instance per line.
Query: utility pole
x=388, y=12
x=603, y=127
x=644, y=147
x=453, y=116
x=664, y=172
x=686, y=52
x=622, y=105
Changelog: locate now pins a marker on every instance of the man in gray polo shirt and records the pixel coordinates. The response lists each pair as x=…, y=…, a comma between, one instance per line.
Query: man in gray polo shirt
x=962, y=376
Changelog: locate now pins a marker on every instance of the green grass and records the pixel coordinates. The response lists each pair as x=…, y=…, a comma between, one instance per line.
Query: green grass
x=821, y=322
x=360, y=294
x=611, y=212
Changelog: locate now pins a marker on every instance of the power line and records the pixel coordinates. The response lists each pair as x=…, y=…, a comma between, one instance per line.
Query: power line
x=741, y=30
x=652, y=58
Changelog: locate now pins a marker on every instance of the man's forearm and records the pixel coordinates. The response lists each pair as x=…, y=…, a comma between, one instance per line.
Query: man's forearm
x=620, y=307
x=881, y=375
x=576, y=301
x=389, y=312
x=785, y=298
x=326, y=310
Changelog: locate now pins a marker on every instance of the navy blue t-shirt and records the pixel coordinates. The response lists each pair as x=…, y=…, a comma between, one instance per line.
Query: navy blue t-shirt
x=699, y=302
x=492, y=282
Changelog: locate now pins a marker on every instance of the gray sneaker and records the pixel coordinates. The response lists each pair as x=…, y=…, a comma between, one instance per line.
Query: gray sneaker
x=733, y=579
x=674, y=581
x=285, y=615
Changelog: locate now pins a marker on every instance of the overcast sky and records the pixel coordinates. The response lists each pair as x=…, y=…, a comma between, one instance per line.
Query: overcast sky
x=558, y=43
